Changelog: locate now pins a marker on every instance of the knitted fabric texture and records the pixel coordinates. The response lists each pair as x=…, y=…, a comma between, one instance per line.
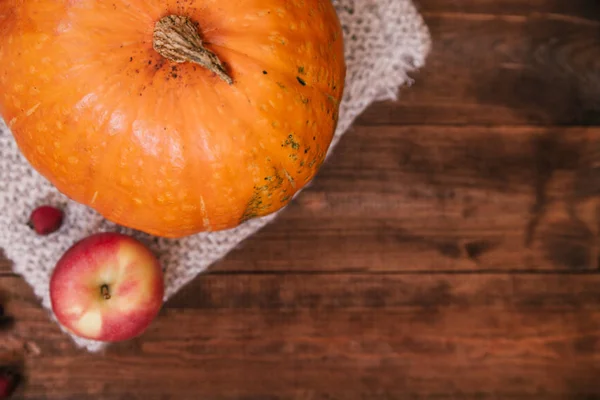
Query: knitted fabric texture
x=385, y=39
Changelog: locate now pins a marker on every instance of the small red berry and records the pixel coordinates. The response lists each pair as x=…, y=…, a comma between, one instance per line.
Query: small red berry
x=8, y=382
x=4, y=387
x=46, y=219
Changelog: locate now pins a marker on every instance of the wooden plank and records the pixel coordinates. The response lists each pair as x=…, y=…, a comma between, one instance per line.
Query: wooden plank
x=5, y=265
x=582, y=9
x=345, y=336
x=441, y=198
x=511, y=62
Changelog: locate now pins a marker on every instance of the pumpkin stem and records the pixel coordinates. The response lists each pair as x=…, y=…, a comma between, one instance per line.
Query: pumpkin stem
x=177, y=39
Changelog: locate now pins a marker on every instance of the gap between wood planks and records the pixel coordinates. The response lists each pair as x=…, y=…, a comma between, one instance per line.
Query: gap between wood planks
x=381, y=273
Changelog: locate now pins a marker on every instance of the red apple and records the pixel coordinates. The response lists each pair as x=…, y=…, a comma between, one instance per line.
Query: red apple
x=107, y=287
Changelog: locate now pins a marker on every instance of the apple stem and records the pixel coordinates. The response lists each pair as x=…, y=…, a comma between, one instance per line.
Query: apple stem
x=105, y=292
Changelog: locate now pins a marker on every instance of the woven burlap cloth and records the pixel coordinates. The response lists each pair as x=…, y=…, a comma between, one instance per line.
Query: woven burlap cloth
x=385, y=39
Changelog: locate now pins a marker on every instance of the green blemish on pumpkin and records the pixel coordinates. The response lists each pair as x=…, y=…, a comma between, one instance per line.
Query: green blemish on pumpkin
x=289, y=141
x=255, y=204
x=281, y=85
x=301, y=70
x=304, y=100
x=278, y=179
x=290, y=179
x=332, y=99
x=258, y=204
x=285, y=198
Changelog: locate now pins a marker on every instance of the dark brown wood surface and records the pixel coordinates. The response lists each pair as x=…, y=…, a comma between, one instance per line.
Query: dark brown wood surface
x=449, y=248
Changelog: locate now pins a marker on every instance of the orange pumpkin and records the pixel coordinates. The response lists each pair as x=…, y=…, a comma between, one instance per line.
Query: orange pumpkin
x=168, y=116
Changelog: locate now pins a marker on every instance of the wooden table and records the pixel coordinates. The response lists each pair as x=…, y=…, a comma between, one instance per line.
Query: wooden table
x=449, y=249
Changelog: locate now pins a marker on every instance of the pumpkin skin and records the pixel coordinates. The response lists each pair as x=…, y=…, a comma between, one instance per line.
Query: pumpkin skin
x=164, y=147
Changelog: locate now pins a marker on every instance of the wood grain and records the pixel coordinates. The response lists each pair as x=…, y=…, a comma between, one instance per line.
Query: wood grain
x=509, y=62
x=5, y=265
x=348, y=336
x=442, y=198
x=576, y=10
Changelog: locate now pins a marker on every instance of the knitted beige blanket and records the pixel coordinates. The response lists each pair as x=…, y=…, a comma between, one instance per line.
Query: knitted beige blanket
x=384, y=39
